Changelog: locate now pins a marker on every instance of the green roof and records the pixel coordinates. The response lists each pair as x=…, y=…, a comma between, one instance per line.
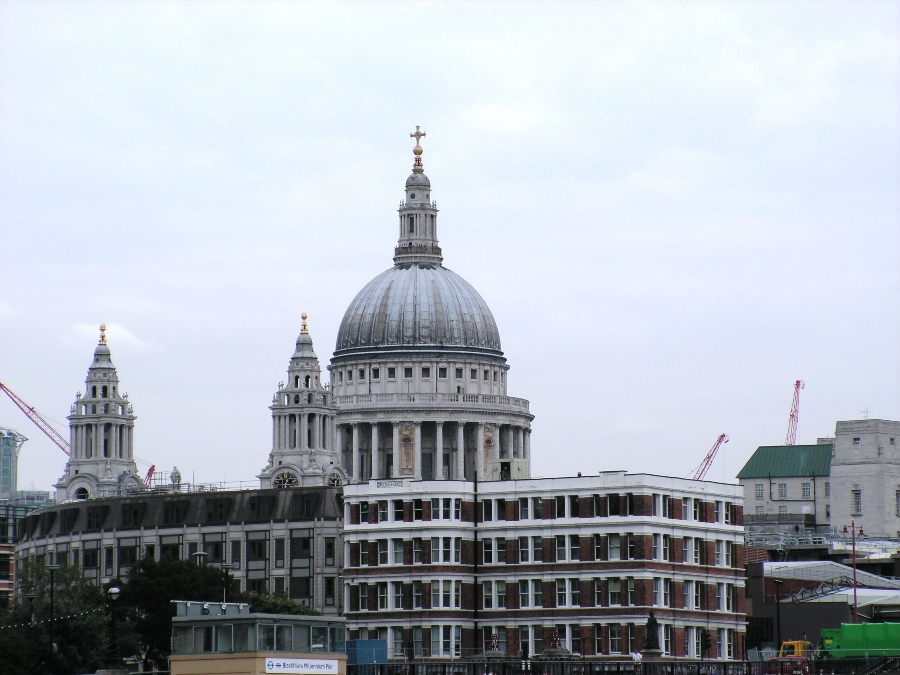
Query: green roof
x=788, y=461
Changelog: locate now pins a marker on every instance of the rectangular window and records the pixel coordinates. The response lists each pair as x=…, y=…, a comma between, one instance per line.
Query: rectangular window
x=445, y=508
x=473, y=374
x=397, y=588
x=407, y=372
x=382, y=511
x=501, y=509
x=827, y=488
x=696, y=550
x=392, y=373
x=667, y=548
x=657, y=591
x=720, y=546
x=760, y=491
x=487, y=374
x=856, y=502
x=376, y=373
x=501, y=594
x=537, y=549
x=615, y=591
x=856, y=440
x=615, y=547
x=398, y=510
x=417, y=509
x=442, y=373
x=524, y=546
x=279, y=552
x=537, y=508
x=523, y=508
x=459, y=373
x=397, y=545
x=457, y=549
x=560, y=592
x=487, y=510
x=501, y=550
x=487, y=594
x=782, y=490
x=698, y=595
x=632, y=593
x=426, y=372
x=524, y=594
x=574, y=593
x=488, y=551
x=363, y=590
x=363, y=553
x=362, y=374
x=806, y=490
x=615, y=638
x=782, y=510
x=537, y=590
x=417, y=550
x=655, y=547
x=717, y=512
x=560, y=547
x=560, y=506
x=435, y=508
x=349, y=376
x=435, y=593
x=364, y=512
x=667, y=592
x=598, y=591
x=382, y=551
x=417, y=589
x=446, y=551
x=574, y=547
x=760, y=510
x=720, y=597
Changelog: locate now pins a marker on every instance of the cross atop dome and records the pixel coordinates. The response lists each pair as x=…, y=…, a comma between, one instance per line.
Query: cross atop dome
x=417, y=151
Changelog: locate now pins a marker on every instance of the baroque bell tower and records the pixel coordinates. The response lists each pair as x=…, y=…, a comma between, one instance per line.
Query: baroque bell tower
x=101, y=428
x=302, y=425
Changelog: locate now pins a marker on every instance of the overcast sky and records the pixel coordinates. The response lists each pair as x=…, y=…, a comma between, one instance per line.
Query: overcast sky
x=674, y=210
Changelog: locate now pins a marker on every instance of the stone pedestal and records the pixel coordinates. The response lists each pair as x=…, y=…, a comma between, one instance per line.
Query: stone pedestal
x=651, y=655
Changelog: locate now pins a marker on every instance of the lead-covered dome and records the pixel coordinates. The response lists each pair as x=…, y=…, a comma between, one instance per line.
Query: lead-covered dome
x=418, y=307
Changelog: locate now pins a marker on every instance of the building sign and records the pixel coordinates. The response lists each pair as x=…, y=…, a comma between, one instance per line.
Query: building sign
x=304, y=666
x=389, y=484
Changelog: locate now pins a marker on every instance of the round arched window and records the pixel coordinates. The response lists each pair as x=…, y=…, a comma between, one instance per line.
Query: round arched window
x=285, y=479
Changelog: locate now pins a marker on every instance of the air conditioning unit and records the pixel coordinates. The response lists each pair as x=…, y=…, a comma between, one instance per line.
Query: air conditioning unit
x=508, y=469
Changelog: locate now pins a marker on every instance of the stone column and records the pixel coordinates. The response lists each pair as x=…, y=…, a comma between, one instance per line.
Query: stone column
x=355, y=471
x=102, y=429
x=317, y=432
x=520, y=441
x=375, y=459
x=339, y=447
x=526, y=447
x=417, y=473
x=439, y=451
x=460, y=451
x=509, y=442
x=395, y=450
x=479, y=451
x=304, y=432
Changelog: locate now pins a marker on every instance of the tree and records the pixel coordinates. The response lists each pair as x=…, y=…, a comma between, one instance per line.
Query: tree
x=276, y=604
x=147, y=598
x=79, y=629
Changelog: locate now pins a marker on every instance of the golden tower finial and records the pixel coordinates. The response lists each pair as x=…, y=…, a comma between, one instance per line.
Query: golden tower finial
x=102, y=333
x=417, y=151
x=303, y=328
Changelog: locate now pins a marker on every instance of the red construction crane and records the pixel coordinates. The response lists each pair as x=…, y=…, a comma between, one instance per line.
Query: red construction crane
x=701, y=470
x=795, y=414
x=38, y=420
x=149, y=475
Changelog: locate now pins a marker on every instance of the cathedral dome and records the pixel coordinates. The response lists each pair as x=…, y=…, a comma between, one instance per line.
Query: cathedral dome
x=418, y=180
x=421, y=307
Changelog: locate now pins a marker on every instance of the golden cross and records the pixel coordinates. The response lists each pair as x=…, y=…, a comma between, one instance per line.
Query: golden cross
x=417, y=135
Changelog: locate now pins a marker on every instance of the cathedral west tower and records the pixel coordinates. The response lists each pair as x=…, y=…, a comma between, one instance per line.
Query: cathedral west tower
x=101, y=428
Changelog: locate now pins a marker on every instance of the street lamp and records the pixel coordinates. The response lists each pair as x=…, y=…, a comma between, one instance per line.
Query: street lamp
x=113, y=659
x=777, y=583
x=853, y=535
x=200, y=556
x=52, y=569
x=226, y=567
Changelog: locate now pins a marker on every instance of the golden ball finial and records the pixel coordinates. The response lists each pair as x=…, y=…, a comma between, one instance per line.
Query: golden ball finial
x=102, y=333
x=303, y=328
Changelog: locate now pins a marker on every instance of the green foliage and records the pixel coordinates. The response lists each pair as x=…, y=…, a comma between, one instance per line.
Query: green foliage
x=80, y=630
x=277, y=604
x=148, y=596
